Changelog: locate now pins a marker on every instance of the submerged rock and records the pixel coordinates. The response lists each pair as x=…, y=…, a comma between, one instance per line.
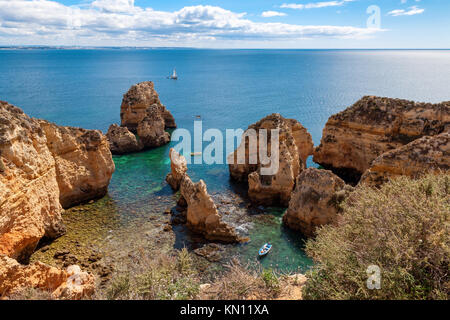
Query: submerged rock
x=71, y=283
x=355, y=137
x=295, y=145
x=141, y=101
x=178, y=166
x=427, y=154
x=315, y=200
x=122, y=141
x=45, y=167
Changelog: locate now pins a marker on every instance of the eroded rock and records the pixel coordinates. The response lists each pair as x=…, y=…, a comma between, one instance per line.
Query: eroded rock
x=295, y=145
x=178, y=167
x=355, y=137
x=427, y=154
x=122, y=141
x=71, y=283
x=315, y=201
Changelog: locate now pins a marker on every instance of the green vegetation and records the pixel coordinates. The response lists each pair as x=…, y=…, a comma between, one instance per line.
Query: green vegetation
x=403, y=228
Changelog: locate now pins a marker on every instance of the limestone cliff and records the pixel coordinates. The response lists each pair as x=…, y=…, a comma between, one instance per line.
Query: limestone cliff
x=295, y=145
x=42, y=168
x=122, y=141
x=315, y=201
x=178, y=166
x=414, y=159
x=355, y=137
x=70, y=283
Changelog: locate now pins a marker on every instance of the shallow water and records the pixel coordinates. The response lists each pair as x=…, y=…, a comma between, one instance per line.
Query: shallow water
x=228, y=89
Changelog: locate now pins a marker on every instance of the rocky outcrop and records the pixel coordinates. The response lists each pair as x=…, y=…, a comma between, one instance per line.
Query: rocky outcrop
x=122, y=141
x=151, y=130
x=42, y=166
x=355, y=137
x=70, y=283
x=202, y=214
x=295, y=145
x=315, y=201
x=141, y=101
x=83, y=161
x=427, y=154
x=178, y=167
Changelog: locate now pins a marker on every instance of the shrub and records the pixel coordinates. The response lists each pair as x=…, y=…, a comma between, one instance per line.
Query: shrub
x=403, y=228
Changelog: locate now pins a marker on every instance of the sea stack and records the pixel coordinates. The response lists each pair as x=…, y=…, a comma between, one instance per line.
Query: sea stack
x=295, y=145
x=43, y=168
x=355, y=137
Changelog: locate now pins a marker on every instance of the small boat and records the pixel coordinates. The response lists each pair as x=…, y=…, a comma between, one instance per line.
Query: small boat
x=265, y=249
x=174, y=75
x=193, y=154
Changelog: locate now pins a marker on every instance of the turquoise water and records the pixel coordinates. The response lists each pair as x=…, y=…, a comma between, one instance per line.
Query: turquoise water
x=229, y=89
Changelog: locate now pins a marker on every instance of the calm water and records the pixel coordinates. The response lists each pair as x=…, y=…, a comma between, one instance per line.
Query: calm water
x=229, y=89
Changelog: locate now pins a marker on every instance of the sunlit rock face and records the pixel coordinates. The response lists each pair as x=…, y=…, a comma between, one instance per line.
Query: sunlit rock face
x=43, y=168
x=122, y=141
x=140, y=101
x=178, y=169
x=71, y=283
x=315, y=201
x=427, y=154
x=295, y=145
x=355, y=137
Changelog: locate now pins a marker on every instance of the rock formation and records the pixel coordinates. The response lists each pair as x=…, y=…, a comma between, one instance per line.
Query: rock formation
x=355, y=137
x=122, y=141
x=142, y=101
x=178, y=166
x=42, y=166
x=414, y=159
x=295, y=145
x=83, y=160
x=70, y=283
x=315, y=200
x=202, y=214
x=151, y=130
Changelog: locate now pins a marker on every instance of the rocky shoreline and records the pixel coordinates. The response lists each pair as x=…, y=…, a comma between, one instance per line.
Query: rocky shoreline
x=46, y=168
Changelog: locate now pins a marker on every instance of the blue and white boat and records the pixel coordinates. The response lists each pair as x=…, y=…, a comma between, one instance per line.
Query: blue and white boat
x=265, y=249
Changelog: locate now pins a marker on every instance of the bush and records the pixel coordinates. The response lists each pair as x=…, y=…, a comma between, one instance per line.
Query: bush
x=403, y=228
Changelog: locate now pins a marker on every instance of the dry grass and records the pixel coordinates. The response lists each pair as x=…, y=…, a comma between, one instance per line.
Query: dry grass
x=403, y=228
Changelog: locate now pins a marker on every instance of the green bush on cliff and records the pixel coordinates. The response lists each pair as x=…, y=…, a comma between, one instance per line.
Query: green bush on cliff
x=403, y=228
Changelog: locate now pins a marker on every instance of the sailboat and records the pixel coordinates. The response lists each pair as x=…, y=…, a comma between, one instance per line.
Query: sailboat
x=174, y=75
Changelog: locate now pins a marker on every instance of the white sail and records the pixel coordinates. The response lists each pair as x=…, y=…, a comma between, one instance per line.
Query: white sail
x=174, y=75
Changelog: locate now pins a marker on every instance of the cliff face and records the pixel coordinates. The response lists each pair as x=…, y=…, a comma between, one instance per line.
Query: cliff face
x=83, y=160
x=140, y=101
x=427, y=154
x=295, y=145
x=71, y=283
x=353, y=138
x=178, y=169
x=42, y=168
x=315, y=200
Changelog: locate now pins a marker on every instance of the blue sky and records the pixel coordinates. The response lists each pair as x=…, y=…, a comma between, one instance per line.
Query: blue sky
x=227, y=24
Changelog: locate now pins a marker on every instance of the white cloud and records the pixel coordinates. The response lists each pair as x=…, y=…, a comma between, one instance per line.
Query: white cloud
x=269, y=14
x=315, y=5
x=410, y=12
x=119, y=22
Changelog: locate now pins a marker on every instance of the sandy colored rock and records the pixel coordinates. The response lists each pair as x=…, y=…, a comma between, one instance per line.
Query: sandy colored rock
x=122, y=141
x=427, y=154
x=295, y=145
x=202, y=214
x=355, y=137
x=315, y=200
x=178, y=167
x=291, y=287
x=29, y=192
x=71, y=283
x=43, y=166
x=151, y=130
x=140, y=101
x=84, y=164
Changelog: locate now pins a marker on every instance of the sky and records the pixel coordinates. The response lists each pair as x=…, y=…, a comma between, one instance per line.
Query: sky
x=227, y=23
